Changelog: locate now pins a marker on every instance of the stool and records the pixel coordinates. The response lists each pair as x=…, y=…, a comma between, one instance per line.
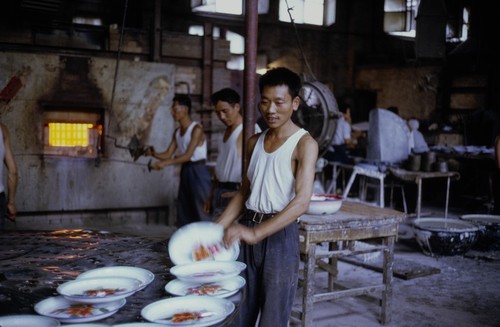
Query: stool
x=363, y=172
x=338, y=168
x=389, y=183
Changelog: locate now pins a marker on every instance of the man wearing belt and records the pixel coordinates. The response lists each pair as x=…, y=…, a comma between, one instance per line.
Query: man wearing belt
x=276, y=190
x=227, y=175
x=189, y=148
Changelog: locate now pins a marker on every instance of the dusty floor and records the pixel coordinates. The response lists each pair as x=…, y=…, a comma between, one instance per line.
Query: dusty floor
x=466, y=291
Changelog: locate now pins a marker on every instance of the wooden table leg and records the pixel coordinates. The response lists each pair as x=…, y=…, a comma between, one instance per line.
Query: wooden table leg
x=308, y=296
x=419, y=197
x=447, y=197
x=333, y=262
x=387, y=279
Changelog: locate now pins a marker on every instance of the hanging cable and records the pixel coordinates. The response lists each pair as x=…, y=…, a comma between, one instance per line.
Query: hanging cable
x=118, y=56
x=289, y=9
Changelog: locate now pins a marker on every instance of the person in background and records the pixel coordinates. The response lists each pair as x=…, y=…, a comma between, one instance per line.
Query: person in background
x=7, y=199
x=276, y=190
x=417, y=141
x=188, y=148
x=342, y=139
x=227, y=178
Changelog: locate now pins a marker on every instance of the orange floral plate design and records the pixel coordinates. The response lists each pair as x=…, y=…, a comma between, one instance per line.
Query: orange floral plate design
x=66, y=311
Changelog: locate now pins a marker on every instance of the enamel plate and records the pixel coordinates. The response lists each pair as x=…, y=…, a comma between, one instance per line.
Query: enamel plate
x=223, y=289
x=143, y=275
x=139, y=324
x=188, y=310
x=87, y=325
x=28, y=320
x=207, y=271
x=200, y=241
x=66, y=311
x=99, y=289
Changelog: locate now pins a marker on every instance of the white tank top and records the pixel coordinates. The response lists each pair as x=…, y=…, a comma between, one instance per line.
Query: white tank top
x=2, y=157
x=228, y=165
x=271, y=177
x=200, y=152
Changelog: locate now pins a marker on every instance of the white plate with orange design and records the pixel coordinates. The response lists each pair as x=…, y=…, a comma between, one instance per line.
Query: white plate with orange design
x=24, y=320
x=200, y=241
x=207, y=271
x=143, y=275
x=188, y=310
x=67, y=311
x=99, y=289
x=224, y=288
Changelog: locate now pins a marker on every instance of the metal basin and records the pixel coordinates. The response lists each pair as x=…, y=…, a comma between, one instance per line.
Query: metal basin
x=445, y=236
x=489, y=231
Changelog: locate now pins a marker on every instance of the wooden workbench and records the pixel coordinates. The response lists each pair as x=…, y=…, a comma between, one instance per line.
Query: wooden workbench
x=353, y=222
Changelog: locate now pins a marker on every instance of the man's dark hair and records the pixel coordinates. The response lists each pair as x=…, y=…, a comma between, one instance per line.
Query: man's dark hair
x=183, y=100
x=281, y=76
x=226, y=95
x=343, y=107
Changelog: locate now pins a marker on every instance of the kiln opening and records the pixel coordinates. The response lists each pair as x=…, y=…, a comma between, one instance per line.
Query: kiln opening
x=70, y=132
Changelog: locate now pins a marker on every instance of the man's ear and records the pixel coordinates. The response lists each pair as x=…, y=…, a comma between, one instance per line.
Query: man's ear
x=296, y=103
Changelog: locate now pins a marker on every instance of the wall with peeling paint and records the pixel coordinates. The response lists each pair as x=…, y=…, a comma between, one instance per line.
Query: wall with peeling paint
x=140, y=107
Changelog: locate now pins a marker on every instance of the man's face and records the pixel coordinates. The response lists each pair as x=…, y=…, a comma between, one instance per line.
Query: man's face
x=178, y=111
x=277, y=105
x=227, y=113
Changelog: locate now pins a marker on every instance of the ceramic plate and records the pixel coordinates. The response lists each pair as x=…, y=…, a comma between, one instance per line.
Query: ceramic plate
x=67, y=311
x=28, y=320
x=188, y=310
x=139, y=324
x=145, y=276
x=207, y=271
x=224, y=288
x=86, y=325
x=99, y=289
x=200, y=241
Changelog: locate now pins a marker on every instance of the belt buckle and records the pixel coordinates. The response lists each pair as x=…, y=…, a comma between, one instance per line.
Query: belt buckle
x=257, y=217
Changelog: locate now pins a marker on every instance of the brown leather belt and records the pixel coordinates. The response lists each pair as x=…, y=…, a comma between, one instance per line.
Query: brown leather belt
x=258, y=217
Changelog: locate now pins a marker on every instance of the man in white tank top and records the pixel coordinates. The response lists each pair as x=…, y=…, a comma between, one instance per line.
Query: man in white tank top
x=276, y=190
x=188, y=148
x=227, y=175
x=7, y=199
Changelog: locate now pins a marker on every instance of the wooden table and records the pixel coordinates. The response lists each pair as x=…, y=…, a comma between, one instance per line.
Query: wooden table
x=418, y=176
x=354, y=222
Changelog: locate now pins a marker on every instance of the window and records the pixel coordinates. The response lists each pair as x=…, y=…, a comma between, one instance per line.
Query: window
x=314, y=12
x=95, y=21
x=236, y=45
x=399, y=17
x=218, y=6
x=457, y=27
x=231, y=7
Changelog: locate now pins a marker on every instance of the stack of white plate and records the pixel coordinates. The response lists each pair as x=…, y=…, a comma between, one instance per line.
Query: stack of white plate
x=95, y=294
x=206, y=274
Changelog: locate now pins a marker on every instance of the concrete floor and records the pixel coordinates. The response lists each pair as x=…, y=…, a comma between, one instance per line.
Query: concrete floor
x=466, y=291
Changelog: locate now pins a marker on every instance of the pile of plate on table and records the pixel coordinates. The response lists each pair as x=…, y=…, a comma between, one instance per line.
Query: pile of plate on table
x=95, y=294
x=207, y=275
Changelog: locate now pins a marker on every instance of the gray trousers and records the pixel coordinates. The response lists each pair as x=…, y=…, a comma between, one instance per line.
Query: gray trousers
x=271, y=278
